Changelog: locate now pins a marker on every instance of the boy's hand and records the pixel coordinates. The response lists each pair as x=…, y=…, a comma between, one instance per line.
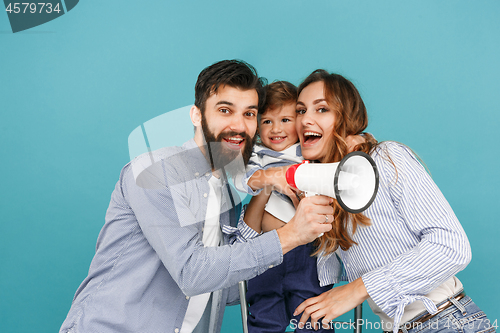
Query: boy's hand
x=274, y=177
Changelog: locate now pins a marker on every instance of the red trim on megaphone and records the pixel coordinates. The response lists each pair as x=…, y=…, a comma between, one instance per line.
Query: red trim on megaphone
x=290, y=173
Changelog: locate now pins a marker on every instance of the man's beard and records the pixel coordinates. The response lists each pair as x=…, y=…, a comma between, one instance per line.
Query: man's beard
x=221, y=157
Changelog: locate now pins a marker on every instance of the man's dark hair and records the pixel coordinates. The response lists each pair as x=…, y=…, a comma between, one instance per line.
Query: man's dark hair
x=233, y=73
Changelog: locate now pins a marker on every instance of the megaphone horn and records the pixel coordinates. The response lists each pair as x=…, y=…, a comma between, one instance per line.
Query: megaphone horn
x=353, y=181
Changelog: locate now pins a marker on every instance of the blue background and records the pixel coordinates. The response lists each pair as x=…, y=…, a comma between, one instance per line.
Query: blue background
x=73, y=89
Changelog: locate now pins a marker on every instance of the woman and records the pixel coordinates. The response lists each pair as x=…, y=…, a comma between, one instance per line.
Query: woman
x=403, y=252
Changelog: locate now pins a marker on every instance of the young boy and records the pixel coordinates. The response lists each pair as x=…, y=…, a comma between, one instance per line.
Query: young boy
x=274, y=295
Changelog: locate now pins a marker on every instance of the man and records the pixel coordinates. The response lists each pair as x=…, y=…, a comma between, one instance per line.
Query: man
x=166, y=260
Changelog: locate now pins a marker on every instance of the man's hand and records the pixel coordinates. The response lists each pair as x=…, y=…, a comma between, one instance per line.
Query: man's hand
x=308, y=222
x=332, y=303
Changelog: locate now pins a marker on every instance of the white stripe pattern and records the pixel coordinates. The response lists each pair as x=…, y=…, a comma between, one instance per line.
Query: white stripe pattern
x=241, y=233
x=415, y=242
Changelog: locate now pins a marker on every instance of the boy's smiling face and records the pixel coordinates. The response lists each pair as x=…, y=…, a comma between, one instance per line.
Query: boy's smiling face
x=277, y=127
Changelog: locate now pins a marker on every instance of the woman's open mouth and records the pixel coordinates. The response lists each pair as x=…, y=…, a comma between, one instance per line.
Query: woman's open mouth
x=311, y=138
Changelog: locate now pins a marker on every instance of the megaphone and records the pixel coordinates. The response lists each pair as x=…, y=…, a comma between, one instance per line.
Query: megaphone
x=353, y=181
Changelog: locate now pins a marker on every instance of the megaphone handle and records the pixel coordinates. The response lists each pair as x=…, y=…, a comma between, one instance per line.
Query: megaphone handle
x=310, y=194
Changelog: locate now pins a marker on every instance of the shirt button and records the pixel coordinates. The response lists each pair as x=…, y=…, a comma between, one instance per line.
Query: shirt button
x=205, y=195
x=197, y=174
x=271, y=266
x=187, y=297
x=207, y=174
x=176, y=330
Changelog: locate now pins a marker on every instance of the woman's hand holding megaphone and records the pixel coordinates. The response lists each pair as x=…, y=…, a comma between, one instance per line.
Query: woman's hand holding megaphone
x=309, y=222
